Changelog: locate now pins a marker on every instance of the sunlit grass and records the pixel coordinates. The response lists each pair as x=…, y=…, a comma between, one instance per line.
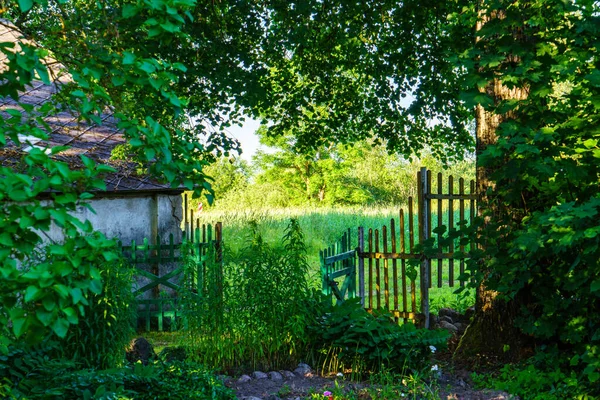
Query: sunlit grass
x=322, y=227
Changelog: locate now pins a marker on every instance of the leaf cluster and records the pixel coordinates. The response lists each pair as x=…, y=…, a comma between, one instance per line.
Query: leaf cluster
x=377, y=341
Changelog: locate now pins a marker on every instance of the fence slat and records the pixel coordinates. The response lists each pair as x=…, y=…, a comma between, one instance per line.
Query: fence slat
x=394, y=262
x=461, y=191
x=411, y=238
x=386, y=280
x=370, y=269
x=361, y=265
x=377, y=271
x=450, y=228
x=439, y=235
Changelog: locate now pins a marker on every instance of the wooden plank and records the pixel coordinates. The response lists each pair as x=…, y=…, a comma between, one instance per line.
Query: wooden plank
x=351, y=264
x=339, y=257
x=403, y=250
x=370, y=269
x=427, y=201
x=186, y=228
x=437, y=196
x=424, y=234
x=400, y=314
x=377, y=271
x=347, y=283
x=411, y=238
x=386, y=280
x=461, y=191
x=472, y=215
x=389, y=256
x=192, y=228
x=361, y=265
x=440, y=222
x=158, y=280
x=340, y=272
x=394, y=262
x=324, y=275
x=450, y=228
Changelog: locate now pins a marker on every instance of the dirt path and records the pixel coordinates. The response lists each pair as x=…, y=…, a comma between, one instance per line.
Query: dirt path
x=299, y=387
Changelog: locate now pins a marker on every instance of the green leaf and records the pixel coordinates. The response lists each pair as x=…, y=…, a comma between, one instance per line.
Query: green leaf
x=25, y=5
x=60, y=327
x=118, y=80
x=128, y=58
x=96, y=286
x=78, y=93
x=595, y=286
x=31, y=293
x=129, y=10
x=44, y=316
x=62, y=290
x=77, y=295
x=109, y=255
x=18, y=319
x=18, y=195
x=6, y=239
x=71, y=315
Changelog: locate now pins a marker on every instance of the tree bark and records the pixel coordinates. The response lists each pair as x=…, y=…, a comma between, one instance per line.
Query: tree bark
x=492, y=336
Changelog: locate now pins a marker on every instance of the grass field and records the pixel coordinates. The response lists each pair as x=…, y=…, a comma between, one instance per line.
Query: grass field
x=322, y=227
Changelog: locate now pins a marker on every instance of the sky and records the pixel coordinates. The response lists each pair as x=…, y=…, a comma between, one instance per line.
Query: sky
x=247, y=138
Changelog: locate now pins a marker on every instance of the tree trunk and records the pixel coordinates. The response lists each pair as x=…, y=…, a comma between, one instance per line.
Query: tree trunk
x=492, y=336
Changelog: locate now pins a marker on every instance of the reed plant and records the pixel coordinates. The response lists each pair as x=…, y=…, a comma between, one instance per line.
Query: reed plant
x=261, y=321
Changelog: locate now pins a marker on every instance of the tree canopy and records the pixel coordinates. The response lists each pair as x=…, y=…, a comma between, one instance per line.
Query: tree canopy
x=326, y=72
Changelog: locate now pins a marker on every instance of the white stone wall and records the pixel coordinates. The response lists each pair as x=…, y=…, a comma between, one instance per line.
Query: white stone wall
x=130, y=218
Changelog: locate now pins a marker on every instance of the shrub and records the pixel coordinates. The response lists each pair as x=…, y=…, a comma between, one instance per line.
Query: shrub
x=375, y=342
x=32, y=374
x=546, y=376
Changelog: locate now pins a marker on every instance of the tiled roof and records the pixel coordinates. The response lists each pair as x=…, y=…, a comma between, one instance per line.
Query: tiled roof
x=65, y=129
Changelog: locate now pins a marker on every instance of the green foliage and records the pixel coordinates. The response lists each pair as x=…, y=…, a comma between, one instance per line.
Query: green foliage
x=545, y=376
x=359, y=174
x=115, y=55
x=375, y=342
x=49, y=291
x=349, y=71
x=32, y=374
x=99, y=340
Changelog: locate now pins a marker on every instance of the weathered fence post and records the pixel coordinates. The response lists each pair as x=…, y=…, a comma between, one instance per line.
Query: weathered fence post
x=361, y=265
x=424, y=215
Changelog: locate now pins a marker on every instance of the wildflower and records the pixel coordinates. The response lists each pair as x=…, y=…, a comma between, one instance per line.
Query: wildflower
x=404, y=382
x=340, y=375
x=434, y=367
x=432, y=348
x=328, y=395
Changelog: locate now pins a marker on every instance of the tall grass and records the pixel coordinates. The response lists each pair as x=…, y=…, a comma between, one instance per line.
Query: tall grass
x=264, y=312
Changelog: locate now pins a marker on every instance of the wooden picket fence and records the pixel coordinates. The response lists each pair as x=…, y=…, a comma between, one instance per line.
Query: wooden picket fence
x=394, y=269
x=159, y=272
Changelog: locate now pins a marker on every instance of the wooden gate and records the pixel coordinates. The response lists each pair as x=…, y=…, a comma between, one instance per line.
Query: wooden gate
x=159, y=273
x=390, y=261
